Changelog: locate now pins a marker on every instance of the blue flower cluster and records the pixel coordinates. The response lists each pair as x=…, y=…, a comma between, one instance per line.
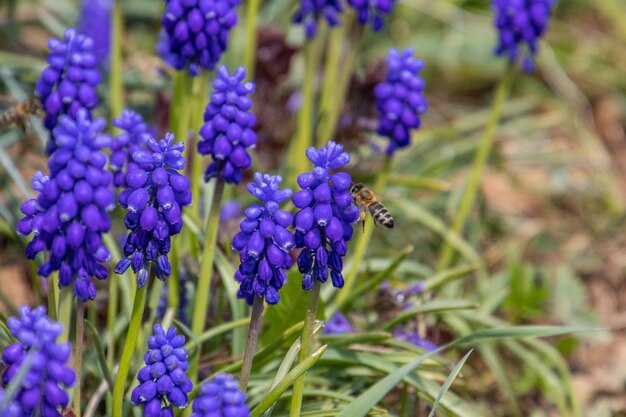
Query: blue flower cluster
x=70, y=215
x=40, y=392
x=338, y=324
x=520, y=25
x=154, y=198
x=163, y=382
x=310, y=11
x=196, y=32
x=94, y=21
x=399, y=99
x=372, y=12
x=324, y=222
x=133, y=137
x=264, y=242
x=227, y=131
x=220, y=398
x=69, y=81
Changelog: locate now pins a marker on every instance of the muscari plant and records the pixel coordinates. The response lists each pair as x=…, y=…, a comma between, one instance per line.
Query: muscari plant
x=69, y=221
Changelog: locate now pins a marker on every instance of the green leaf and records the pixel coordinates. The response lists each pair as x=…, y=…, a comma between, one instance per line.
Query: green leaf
x=446, y=276
x=446, y=385
x=350, y=338
x=102, y=360
x=286, y=382
x=215, y=331
x=436, y=306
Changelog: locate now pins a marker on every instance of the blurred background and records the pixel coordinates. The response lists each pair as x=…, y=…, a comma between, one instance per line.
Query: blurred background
x=549, y=225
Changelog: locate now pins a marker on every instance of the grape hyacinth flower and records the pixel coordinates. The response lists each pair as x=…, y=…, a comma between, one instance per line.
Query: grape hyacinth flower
x=264, y=242
x=69, y=81
x=133, y=137
x=163, y=382
x=196, y=32
x=41, y=392
x=94, y=21
x=338, y=324
x=310, y=12
x=413, y=338
x=323, y=224
x=520, y=25
x=70, y=215
x=227, y=131
x=155, y=196
x=399, y=99
x=372, y=12
x=220, y=398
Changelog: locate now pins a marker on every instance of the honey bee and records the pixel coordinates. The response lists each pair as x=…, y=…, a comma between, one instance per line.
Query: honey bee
x=19, y=114
x=366, y=201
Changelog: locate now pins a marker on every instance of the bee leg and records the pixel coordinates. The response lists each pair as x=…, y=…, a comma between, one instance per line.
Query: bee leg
x=362, y=216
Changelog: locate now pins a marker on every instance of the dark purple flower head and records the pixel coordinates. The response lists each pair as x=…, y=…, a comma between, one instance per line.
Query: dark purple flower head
x=338, y=324
x=69, y=81
x=520, y=25
x=324, y=222
x=70, y=215
x=133, y=137
x=264, y=242
x=40, y=392
x=94, y=21
x=372, y=12
x=220, y=398
x=227, y=131
x=196, y=32
x=155, y=196
x=311, y=11
x=399, y=99
x=414, y=338
x=163, y=382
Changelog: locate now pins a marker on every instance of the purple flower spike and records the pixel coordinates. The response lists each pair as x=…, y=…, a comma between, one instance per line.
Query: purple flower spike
x=163, y=382
x=338, y=324
x=69, y=81
x=399, y=99
x=70, y=215
x=520, y=25
x=41, y=392
x=227, y=131
x=264, y=242
x=372, y=12
x=155, y=196
x=414, y=338
x=323, y=223
x=195, y=33
x=134, y=136
x=95, y=22
x=311, y=11
x=220, y=398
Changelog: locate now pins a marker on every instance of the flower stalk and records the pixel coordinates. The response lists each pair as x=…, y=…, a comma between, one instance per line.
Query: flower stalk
x=115, y=76
x=251, y=36
x=253, y=337
x=305, y=347
x=129, y=347
x=78, y=353
x=203, y=295
x=446, y=255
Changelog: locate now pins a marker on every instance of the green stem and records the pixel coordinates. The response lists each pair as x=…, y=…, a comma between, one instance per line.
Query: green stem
x=53, y=296
x=179, y=124
x=337, y=77
x=252, y=11
x=78, y=353
x=203, y=295
x=200, y=89
x=446, y=255
x=251, y=343
x=112, y=317
x=115, y=75
x=305, y=348
x=65, y=312
x=305, y=116
x=363, y=240
x=129, y=348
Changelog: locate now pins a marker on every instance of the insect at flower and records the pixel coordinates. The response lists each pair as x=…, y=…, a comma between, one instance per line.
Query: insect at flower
x=366, y=201
x=20, y=113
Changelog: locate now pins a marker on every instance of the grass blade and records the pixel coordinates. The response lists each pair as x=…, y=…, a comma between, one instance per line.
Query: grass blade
x=95, y=338
x=446, y=385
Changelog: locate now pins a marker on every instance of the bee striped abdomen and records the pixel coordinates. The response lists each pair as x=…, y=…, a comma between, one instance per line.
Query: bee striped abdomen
x=381, y=215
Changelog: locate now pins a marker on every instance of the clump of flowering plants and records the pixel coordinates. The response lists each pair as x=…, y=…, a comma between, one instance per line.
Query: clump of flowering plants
x=124, y=222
